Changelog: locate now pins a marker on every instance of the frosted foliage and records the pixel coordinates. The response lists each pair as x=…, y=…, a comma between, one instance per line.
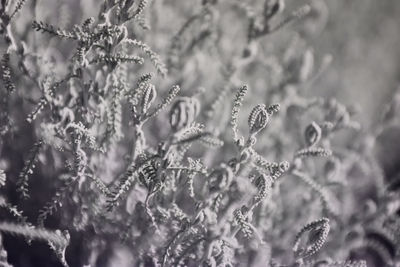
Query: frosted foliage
x=199, y=133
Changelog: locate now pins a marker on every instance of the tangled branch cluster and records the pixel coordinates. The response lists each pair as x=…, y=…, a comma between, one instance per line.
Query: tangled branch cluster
x=130, y=155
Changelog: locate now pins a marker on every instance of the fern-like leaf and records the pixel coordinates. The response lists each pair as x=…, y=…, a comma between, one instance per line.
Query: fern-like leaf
x=6, y=73
x=237, y=103
x=154, y=57
x=22, y=183
x=50, y=29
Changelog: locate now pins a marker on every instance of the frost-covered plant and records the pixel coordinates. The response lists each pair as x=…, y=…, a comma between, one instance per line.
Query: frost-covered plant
x=120, y=139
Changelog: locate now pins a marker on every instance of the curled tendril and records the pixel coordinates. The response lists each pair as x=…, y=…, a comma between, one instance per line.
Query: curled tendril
x=318, y=232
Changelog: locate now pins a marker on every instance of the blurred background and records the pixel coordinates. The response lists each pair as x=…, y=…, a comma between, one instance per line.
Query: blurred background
x=364, y=39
